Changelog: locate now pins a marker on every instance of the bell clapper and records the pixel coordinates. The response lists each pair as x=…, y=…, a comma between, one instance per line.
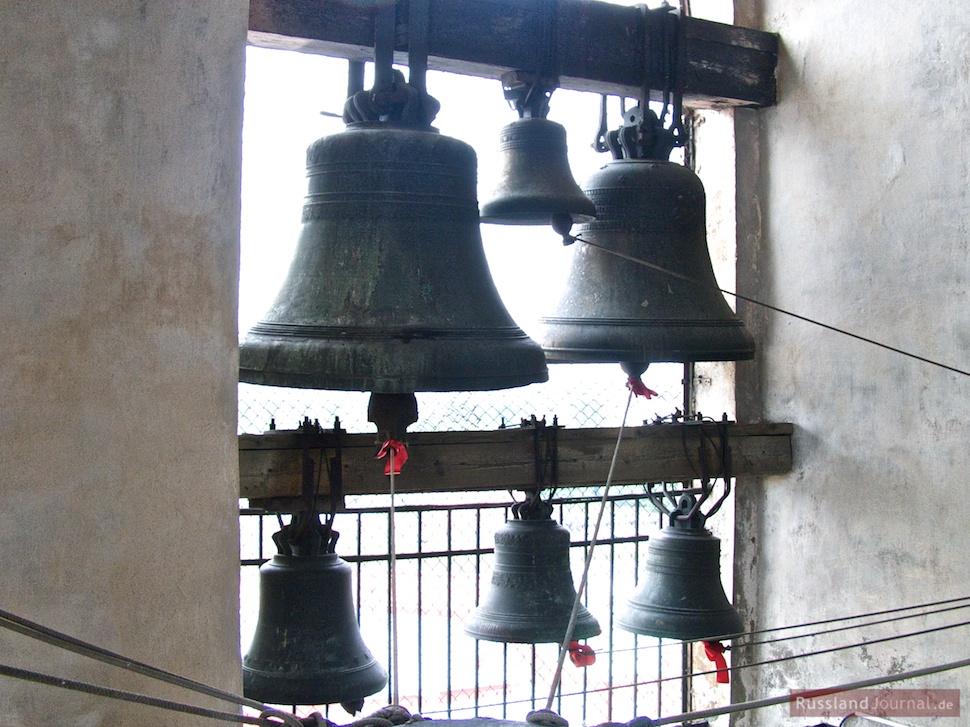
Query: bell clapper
x=562, y=223
x=392, y=414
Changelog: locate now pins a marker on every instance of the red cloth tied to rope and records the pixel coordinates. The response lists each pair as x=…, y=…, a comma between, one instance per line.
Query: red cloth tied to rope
x=636, y=385
x=715, y=652
x=582, y=655
x=400, y=455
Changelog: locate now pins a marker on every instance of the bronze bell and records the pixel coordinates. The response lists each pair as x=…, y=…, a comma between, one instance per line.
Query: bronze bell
x=616, y=310
x=536, y=183
x=307, y=648
x=680, y=596
x=531, y=594
x=389, y=290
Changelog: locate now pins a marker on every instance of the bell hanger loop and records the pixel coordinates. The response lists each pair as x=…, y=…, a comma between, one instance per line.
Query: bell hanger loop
x=305, y=534
x=644, y=134
x=683, y=506
x=529, y=93
x=392, y=100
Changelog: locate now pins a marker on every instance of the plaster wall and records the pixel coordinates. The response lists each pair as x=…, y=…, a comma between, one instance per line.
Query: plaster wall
x=853, y=209
x=120, y=126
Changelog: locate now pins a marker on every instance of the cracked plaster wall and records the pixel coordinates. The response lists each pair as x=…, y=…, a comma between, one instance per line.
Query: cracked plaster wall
x=853, y=209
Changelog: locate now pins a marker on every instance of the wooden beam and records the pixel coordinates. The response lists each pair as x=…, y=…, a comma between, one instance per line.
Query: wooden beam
x=270, y=464
x=599, y=47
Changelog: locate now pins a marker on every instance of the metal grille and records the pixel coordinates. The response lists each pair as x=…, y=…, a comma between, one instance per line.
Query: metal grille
x=444, y=563
x=444, y=546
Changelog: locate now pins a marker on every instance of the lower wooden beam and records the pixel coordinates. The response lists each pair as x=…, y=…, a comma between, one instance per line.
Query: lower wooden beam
x=270, y=464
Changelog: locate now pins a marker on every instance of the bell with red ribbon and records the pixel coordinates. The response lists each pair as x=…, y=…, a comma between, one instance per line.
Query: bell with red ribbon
x=680, y=594
x=531, y=594
x=641, y=287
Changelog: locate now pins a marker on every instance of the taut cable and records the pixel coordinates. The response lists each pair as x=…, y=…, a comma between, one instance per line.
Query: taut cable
x=774, y=308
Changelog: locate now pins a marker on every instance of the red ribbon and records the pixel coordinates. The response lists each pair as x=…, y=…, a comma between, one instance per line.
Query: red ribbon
x=715, y=652
x=582, y=655
x=636, y=385
x=400, y=455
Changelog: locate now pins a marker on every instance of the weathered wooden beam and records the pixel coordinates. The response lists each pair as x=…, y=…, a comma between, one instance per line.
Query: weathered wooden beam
x=271, y=464
x=598, y=46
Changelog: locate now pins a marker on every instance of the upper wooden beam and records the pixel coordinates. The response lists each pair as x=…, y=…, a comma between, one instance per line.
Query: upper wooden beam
x=598, y=46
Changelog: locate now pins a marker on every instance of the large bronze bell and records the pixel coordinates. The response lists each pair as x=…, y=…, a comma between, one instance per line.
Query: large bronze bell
x=617, y=310
x=389, y=290
x=536, y=183
x=680, y=595
x=531, y=594
x=307, y=648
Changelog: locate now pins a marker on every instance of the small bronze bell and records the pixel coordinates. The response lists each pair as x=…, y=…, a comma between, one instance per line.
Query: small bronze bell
x=307, y=648
x=531, y=594
x=536, y=183
x=680, y=595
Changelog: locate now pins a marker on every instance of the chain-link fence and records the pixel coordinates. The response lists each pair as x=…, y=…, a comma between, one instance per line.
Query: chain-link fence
x=578, y=395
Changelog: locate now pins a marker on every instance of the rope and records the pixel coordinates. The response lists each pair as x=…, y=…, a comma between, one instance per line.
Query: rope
x=124, y=696
x=392, y=596
x=782, y=699
x=564, y=647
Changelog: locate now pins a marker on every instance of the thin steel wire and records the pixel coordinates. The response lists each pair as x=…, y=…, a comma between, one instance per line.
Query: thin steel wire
x=120, y=695
x=776, y=309
x=42, y=633
x=823, y=632
x=818, y=652
x=786, y=698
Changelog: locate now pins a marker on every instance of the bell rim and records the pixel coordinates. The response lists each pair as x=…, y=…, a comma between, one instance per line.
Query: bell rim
x=521, y=629
x=312, y=683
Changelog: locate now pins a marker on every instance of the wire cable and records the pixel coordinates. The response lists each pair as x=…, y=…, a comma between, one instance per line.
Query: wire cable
x=782, y=699
x=42, y=633
x=829, y=650
x=735, y=647
x=837, y=619
x=774, y=308
x=837, y=629
x=39, y=678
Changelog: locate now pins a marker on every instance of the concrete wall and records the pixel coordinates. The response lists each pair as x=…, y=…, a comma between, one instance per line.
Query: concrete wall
x=853, y=209
x=119, y=212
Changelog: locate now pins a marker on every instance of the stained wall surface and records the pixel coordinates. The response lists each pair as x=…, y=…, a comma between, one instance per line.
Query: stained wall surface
x=853, y=209
x=120, y=128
